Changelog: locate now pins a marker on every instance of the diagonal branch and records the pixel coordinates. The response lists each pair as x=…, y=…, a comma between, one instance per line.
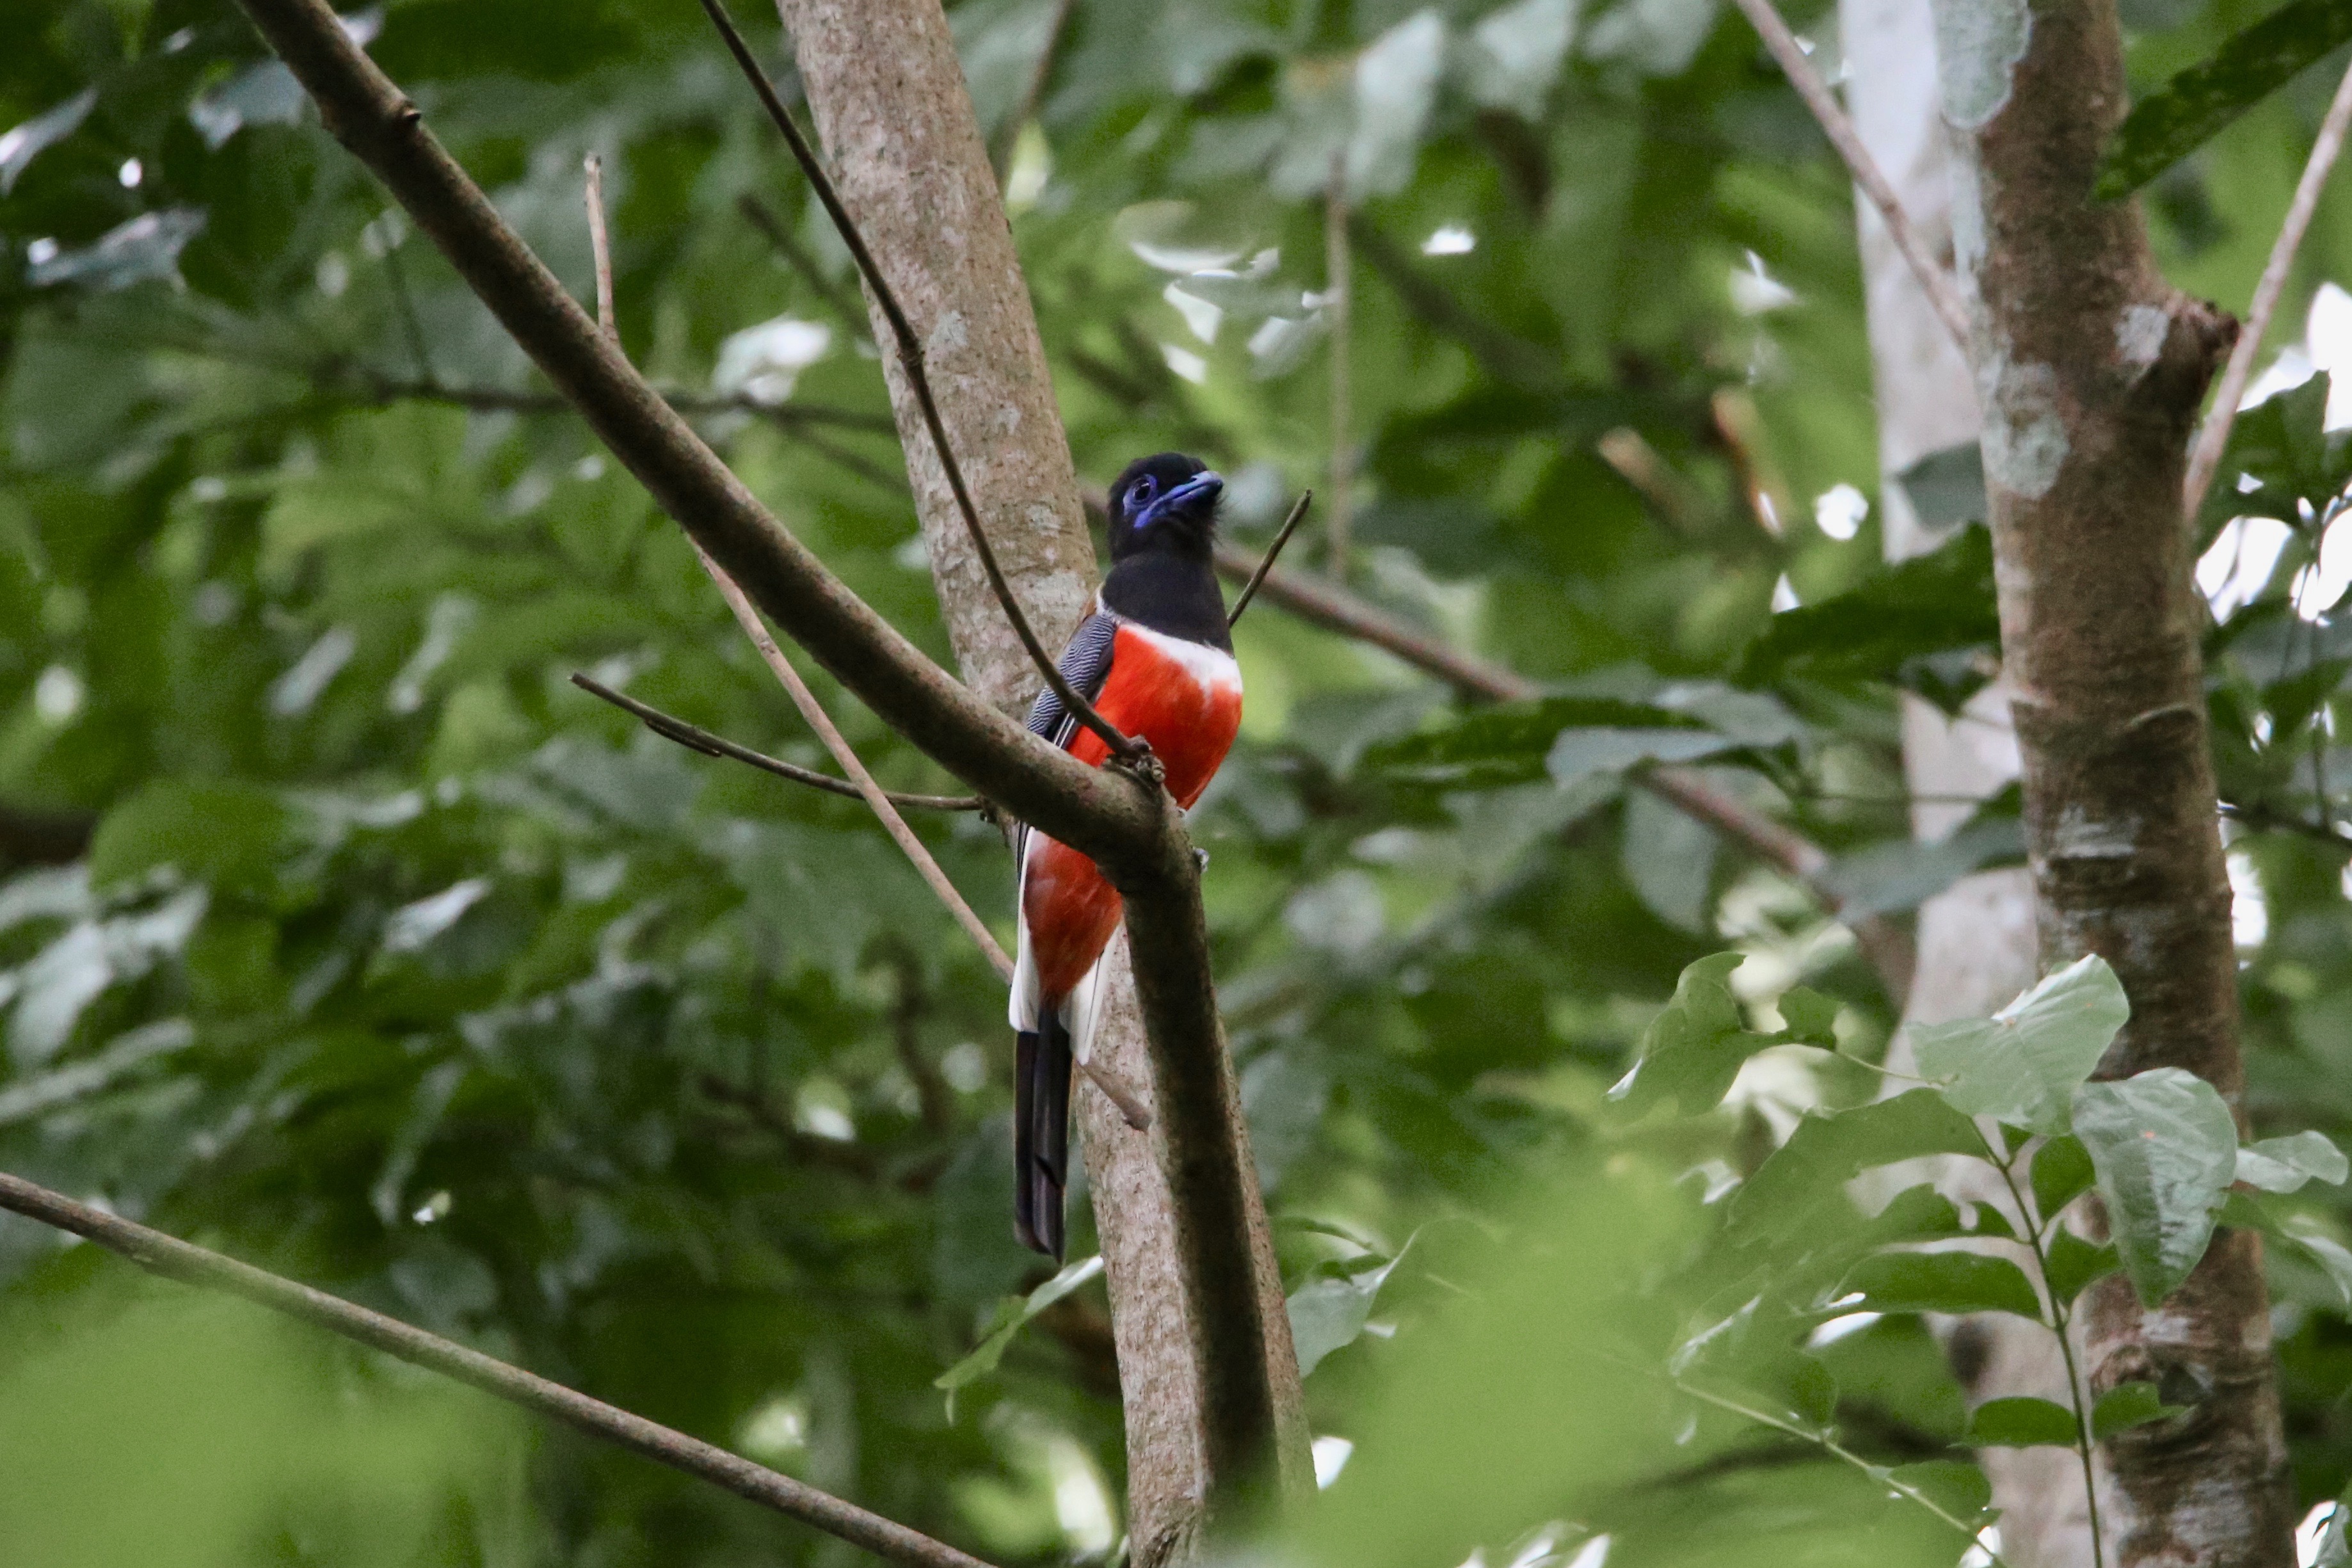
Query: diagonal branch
x=1941, y=291
x=759, y=216
x=2214, y=439
x=173, y=1258
x=1335, y=608
x=910, y=357
x=1129, y=1105
x=1265, y=563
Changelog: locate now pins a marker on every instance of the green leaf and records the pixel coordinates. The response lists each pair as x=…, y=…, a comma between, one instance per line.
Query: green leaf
x=2166, y=1150
x=2304, y=1239
x=2284, y=1164
x=1693, y=1048
x=2023, y=1423
x=223, y=834
x=2196, y=103
x=1903, y=873
x=1512, y=742
x=2061, y=1173
x=1669, y=859
x=1947, y=487
x=1012, y=1313
x=1809, y=1017
x=2070, y=1263
x=1928, y=604
x=1955, y=1282
x=1959, y=1489
x=2022, y=1065
x=2127, y=1406
x=1802, y=1185
x=1813, y=1390
x=1331, y=1310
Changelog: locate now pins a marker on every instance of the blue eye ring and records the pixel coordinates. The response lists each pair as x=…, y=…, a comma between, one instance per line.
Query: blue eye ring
x=1140, y=493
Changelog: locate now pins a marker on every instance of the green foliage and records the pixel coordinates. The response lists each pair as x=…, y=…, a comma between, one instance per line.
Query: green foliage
x=2023, y=1064
x=2195, y=105
x=2166, y=1150
x=399, y=964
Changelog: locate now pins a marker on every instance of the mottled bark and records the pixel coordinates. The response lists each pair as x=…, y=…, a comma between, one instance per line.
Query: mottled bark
x=2090, y=368
x=1975, y=940
x=906, y=150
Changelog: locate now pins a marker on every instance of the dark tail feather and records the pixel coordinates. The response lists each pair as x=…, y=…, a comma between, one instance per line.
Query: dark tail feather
x=1041, y=1134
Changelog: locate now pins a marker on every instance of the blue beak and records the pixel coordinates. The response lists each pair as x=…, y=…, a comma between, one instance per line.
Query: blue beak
x=1204, y=486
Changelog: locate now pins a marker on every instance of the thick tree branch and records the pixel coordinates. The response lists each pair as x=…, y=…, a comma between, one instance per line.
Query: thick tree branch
x=1937, y=283
x=2092, y=368
x=173, y=1258
x=2214, y=438
x=910, y=358
x=1325, y=603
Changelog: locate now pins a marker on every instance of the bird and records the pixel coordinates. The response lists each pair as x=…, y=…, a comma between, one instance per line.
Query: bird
x=1155, y=658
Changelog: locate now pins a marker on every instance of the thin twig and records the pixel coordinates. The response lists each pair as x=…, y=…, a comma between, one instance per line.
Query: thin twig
x=2214, y=438
x=693, y=737
x=1335, y=609
x=1942, y=293
x=403, y=304
x=1266, y=565
x=911, y=360
x=1008, y=135
x=175, y=1259
x=600, y=244
x=1838, y=1450
x=758, y=214
x=1337, y=302
x=1130, y=1105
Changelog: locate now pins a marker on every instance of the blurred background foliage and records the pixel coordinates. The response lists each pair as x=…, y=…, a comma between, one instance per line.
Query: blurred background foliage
x=338, y=929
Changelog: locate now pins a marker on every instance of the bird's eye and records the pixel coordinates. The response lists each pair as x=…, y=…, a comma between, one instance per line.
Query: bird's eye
x=1139, y=493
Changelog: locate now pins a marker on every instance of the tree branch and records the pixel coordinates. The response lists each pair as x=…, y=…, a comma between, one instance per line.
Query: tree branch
x=1008, y=135
x=910, y=358
x=600, y=244
x=1512, y=359
x=2214, y=438
x=878, y=799
x=693, y=737
x=1273, y=551
x=1941, y=291
x=171, y=1259
x=1337, y=301
x=1325, y=603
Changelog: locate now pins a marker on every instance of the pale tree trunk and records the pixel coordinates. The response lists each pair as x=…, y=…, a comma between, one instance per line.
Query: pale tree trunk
x=2090, y=369
x=1976, y=940
x=905, y=147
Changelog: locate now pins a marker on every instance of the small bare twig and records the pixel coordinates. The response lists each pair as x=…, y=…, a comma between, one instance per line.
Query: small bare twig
x=1125, y=748
x=173, y=1258
x=1266, y=563
x=1338, y=300
x=1130, y=1105
x=1942, y=293
x=1008, y=135
x=693, y=737
x=600, y=243
x=759, y=216
x=2211, y=441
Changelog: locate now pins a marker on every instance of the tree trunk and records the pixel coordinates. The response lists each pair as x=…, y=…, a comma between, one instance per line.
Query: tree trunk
x=905, y=148
x=1976, y=940
x=2090, y=369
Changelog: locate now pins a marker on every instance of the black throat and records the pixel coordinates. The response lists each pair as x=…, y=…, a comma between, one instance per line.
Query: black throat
x=1169, y=595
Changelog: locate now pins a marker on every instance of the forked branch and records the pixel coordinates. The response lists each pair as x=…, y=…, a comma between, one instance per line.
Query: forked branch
x=173, y=1258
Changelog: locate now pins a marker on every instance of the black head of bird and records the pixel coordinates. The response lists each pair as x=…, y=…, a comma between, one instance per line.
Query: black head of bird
x=1166, y=503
